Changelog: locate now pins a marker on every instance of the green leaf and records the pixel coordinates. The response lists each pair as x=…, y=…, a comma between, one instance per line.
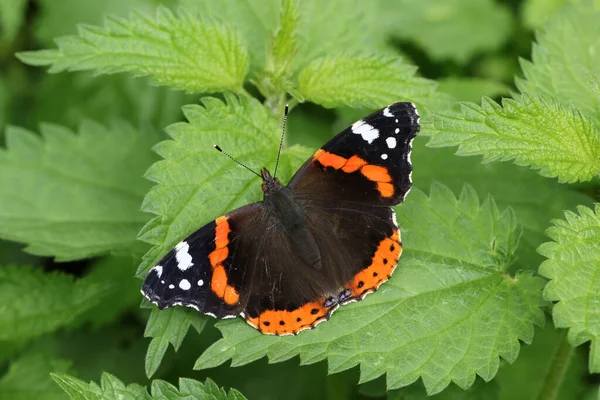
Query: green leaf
x=168, y=326
x=46, y=302
x=448, y=313
x=189, y=388
x=563, y=59
x=194, y=182
x=533, y=131
x=12, y=13
x=472, y=89
x=363, y=81
x=112, y=388
x=573, y=266
x=449, y=29
x=180, y=51
x=29, y=378
x=509, y=185
x=74, y=196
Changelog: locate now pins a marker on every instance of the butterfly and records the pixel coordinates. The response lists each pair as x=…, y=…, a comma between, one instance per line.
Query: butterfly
x=328, y=238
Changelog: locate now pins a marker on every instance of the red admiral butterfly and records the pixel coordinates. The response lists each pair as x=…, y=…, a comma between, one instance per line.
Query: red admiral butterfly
x=327, y=238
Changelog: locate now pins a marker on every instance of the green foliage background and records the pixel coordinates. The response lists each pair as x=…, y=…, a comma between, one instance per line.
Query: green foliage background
x=106, y=162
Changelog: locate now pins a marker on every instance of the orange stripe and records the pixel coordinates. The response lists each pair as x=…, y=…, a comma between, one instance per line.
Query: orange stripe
x=282, y=322
x=385, y=189
x=330, y=159
x=374, y=173
x=218, y=284
x=353, y=164
x=218, y=256
x=231, y=295
x=383, y=263
x=222, y=231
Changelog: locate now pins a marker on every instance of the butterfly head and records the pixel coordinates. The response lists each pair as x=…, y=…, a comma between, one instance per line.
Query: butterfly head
x=270, y=185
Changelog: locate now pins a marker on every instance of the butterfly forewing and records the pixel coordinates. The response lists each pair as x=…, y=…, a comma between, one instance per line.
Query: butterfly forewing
x=369, y=162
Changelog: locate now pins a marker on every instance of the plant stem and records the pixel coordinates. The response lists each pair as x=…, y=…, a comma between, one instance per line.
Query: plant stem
x=557, y=370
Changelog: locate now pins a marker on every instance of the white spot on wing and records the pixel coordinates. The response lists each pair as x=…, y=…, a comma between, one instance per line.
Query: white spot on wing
x=387, y=113
x=200, y=282
x=163, y=282
x=391, y=142
x=394, y=220
x=368, y=132
x=159, y=270
x=184, y=259
x=384, y=156
x=171, y=286
x=397, y=130
x=184, y=284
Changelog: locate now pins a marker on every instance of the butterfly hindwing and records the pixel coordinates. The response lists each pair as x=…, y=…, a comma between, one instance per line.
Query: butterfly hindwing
x=359, y=246
x=369, y=162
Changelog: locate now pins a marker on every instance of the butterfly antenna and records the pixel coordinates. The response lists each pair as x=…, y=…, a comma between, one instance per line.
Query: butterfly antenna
x=249, y=169
x=285, y=113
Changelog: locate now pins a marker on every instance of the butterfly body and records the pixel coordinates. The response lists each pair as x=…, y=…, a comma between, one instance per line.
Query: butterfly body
x=327, y=238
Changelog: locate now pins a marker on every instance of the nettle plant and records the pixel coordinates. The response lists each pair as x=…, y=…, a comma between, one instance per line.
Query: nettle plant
x=492, y=246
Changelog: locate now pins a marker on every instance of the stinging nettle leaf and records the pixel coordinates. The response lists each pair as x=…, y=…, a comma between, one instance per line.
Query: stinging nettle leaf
x=74, y=195
x=448, y=313
x=564, y=58
x=53, y=301
x=509, y=185
x=573, y=267
x=181, y=51
x=112, y=388
x=532, y=131
x=363, y=81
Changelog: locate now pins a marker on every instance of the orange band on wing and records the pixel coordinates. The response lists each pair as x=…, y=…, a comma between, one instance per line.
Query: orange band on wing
x=222, y=232
x=330, y=159
x=374, y=173
x=382, y=265
x=218, y=284
x=282, y=322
